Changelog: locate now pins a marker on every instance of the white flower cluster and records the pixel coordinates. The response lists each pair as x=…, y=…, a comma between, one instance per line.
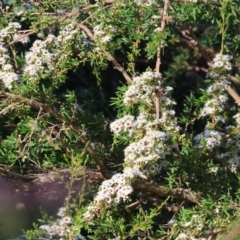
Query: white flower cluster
x=10, y=33
x=187, y=236
x=111, y=191
x=124, y=124
x=102, y=34
x=142, y=88
x=231, y=145
x=234, y=163
x=44, y=54
x=39, y=59
x=60, y=228
x=168, y=120
x=66, y=34
x=237, y=119
x=7, y=74
x=147, y=153
x=148, y=149
x=195, y=224
x=232, y=158
x=220, y=62
x=151, y=149
x=215, y=107
x=114, y=190
x=210, y=138
x=216, y=103
x=145, y=2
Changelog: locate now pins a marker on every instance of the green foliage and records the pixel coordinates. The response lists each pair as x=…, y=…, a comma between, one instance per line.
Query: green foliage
x=65, y=74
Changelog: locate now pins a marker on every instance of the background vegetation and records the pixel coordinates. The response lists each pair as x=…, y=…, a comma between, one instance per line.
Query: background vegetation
x=67, y=68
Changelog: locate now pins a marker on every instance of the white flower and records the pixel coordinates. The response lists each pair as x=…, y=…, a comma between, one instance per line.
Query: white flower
x=65, y=220
x=132, y=172
x=222, y=61
x=182, y=236
x=16, y=25
x=187, y=224
x=3, y=60
x=147, y=2
x=235, y=161
x=123, y=193
x=116, y=127
x=105, y=39
x=7, y=67
x=237, y=118
x=218, y=64
x=98, y=30
x=213, y=169
x=61, y=212
x=212, y=138
x=199, y=227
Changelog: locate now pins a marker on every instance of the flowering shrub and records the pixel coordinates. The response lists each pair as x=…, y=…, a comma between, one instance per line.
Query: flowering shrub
x=144, y=92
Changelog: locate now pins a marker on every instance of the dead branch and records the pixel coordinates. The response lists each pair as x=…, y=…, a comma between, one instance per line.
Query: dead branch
x=161, y=191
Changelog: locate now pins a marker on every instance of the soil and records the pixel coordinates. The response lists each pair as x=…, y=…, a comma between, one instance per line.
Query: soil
x=21, y=201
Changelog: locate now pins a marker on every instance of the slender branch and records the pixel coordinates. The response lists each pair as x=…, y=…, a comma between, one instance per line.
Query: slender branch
x=7, y=172
x=163, y=23
x=158, y=62
x=233, y=79
x=187, y=32
x=81, y=133
x=233, y=93
x=10, y=106
x=30, y=32
x=212, y=2
x=109, y=56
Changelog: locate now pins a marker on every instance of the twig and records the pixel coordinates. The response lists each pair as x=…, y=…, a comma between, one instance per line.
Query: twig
x=8, y=173
x=28, y=139
x=187, y=32
x=163, y=22
x=233, y=79
x=109, y=56
x=158, y=62
x=20, y=37
x=212, y=2
x=10, y=106
x=232, y=92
